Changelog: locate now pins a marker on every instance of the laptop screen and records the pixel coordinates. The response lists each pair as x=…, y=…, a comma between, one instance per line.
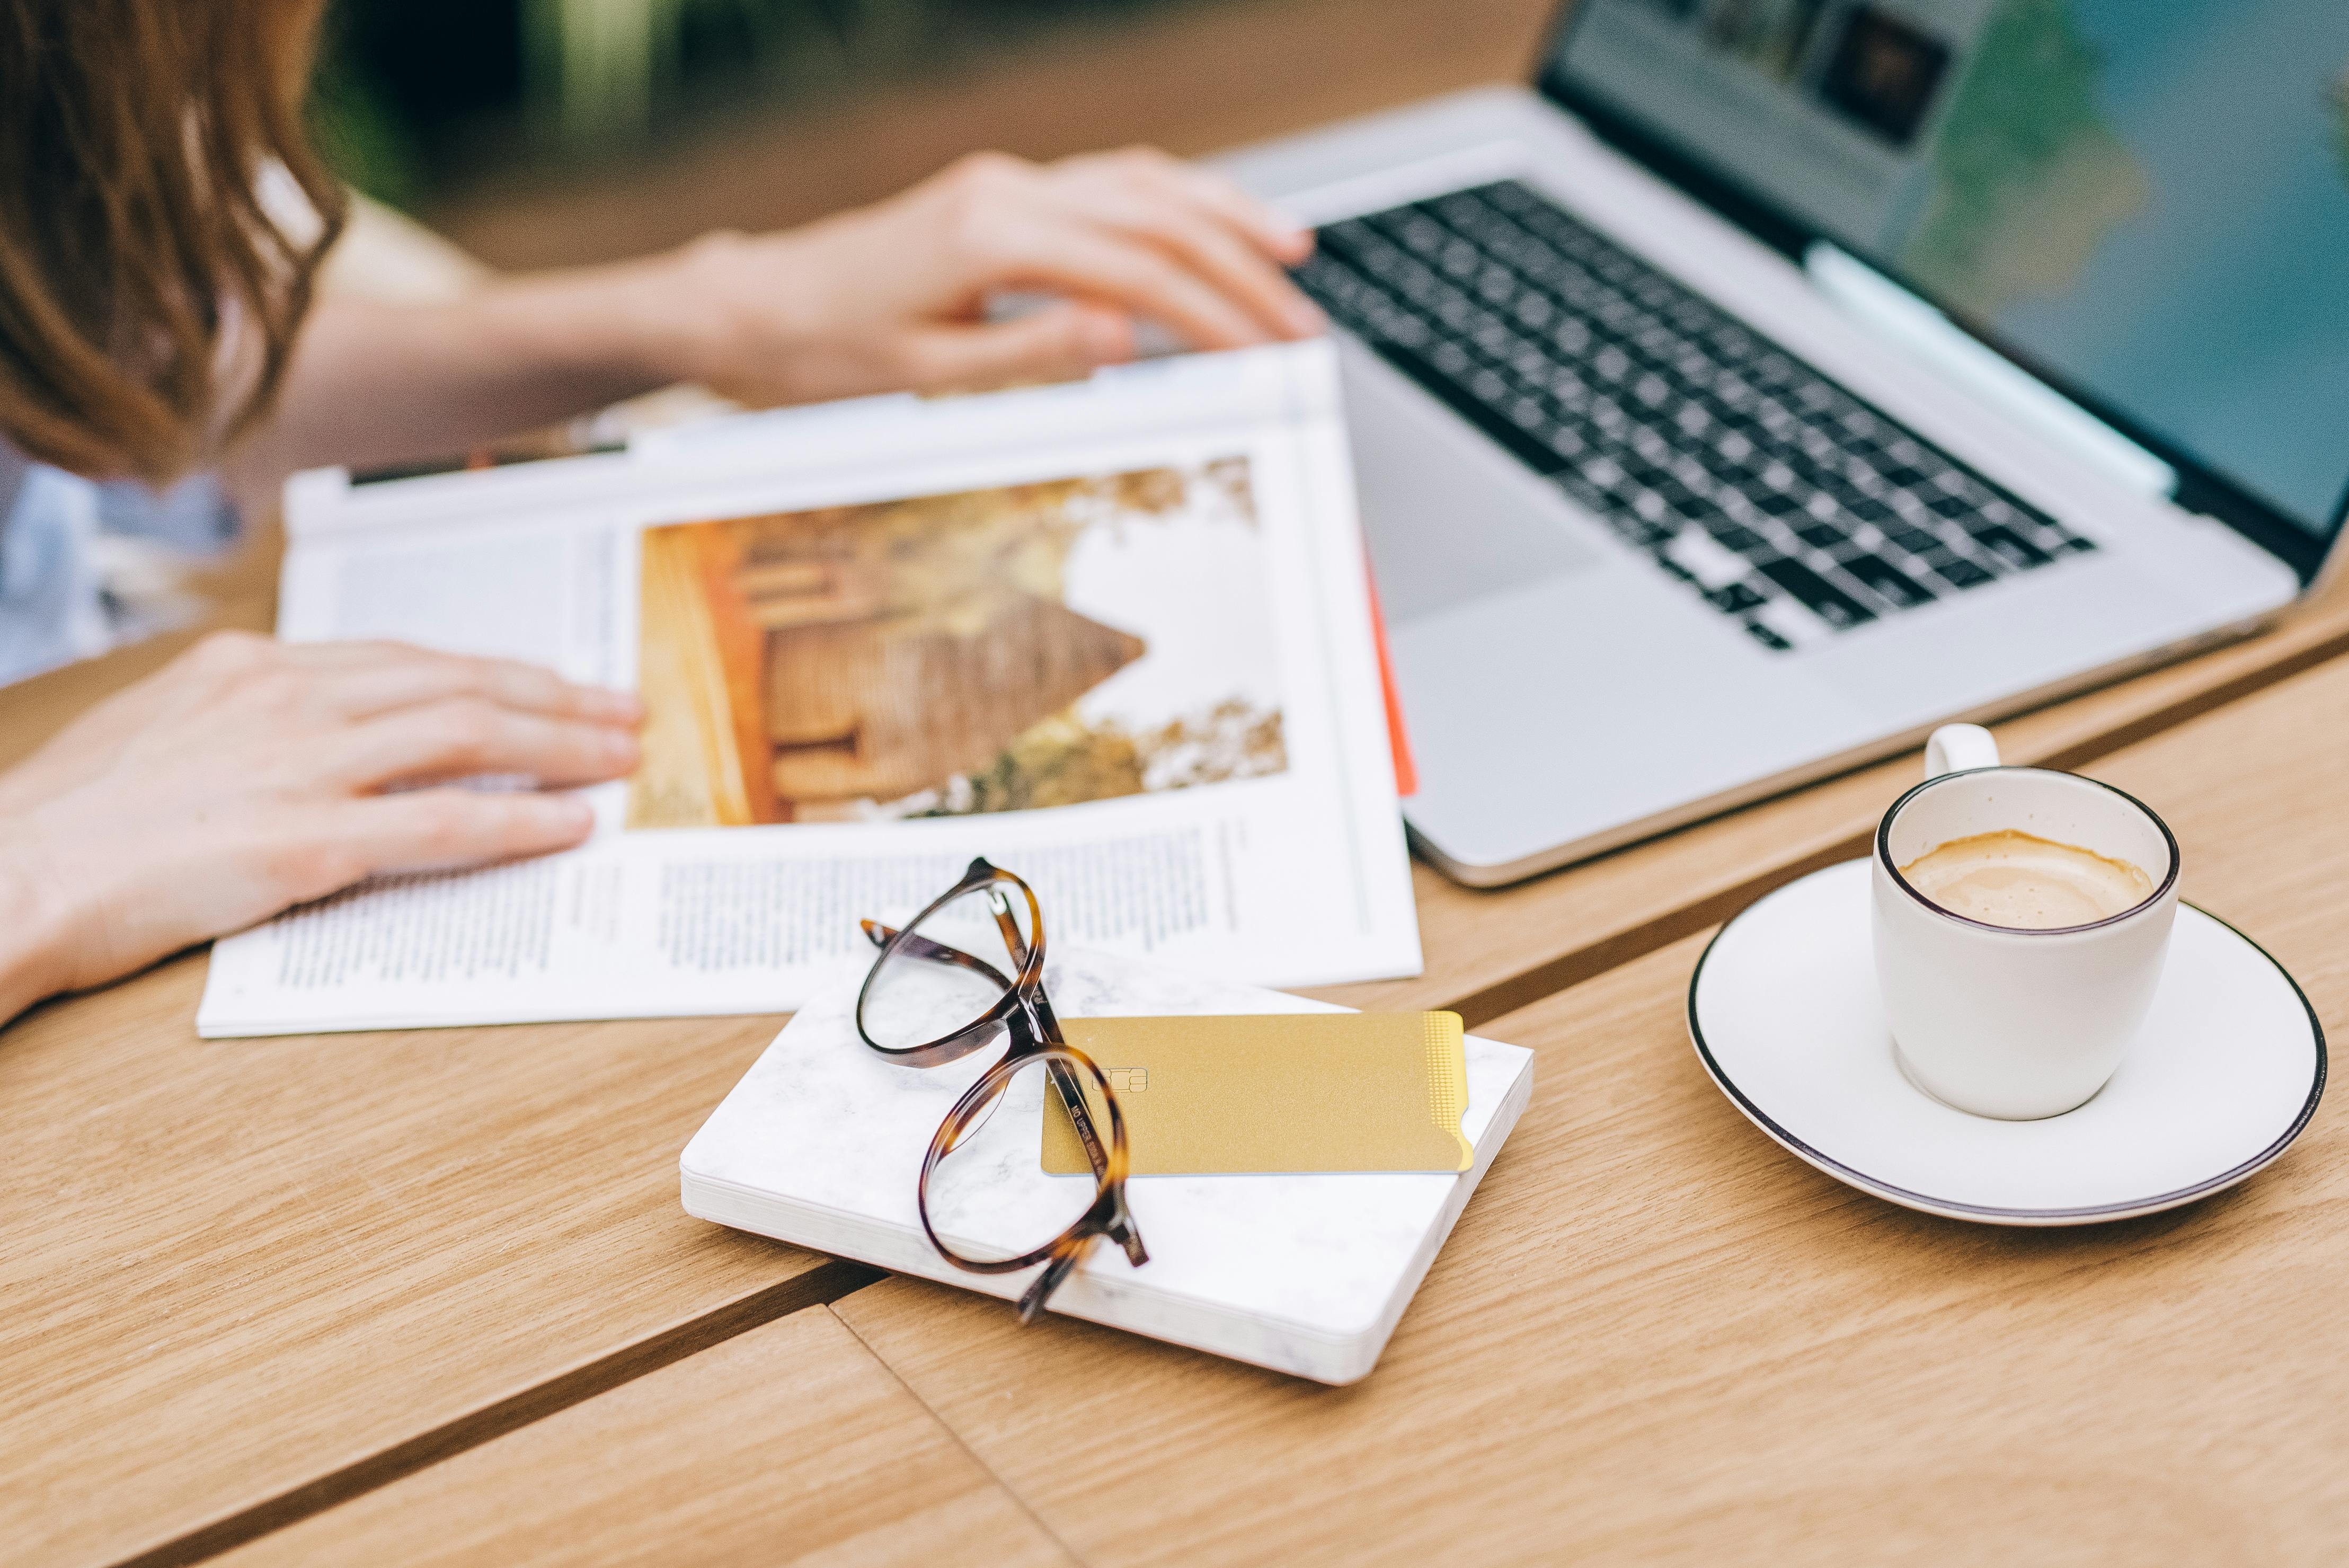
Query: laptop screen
x=2145, y=200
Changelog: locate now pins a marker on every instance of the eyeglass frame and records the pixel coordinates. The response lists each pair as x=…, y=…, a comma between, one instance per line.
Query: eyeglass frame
x=1025, y=1014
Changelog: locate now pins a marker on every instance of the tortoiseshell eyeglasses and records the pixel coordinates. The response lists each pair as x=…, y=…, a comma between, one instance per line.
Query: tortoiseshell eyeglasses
x=933, y=997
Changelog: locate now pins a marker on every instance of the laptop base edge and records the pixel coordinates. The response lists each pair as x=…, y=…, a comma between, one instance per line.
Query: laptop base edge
x=1591, y=847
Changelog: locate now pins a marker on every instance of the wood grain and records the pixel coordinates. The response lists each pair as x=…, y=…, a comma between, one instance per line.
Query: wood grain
x=789, y=1445
x=1656, y=1339
x=246, y=1279
x=259, y=1190
x=1489, y=952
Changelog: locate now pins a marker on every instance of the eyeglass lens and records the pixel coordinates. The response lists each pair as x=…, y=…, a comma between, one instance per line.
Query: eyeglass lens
x=955, y=962
x=989, y=1197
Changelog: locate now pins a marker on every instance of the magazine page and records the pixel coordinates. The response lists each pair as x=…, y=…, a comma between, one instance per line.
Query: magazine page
x=1115, y=637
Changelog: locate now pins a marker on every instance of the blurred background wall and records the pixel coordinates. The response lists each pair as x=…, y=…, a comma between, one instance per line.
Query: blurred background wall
x=537, y=132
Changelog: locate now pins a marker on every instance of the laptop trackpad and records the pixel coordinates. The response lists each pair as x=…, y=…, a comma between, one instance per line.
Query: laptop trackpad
x=1450, y=516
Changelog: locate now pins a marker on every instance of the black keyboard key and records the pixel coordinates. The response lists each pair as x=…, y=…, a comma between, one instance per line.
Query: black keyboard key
x=1647, y=536
x=1822, y=535
x=1962, y=573
x=1888, y=581
x=1422, y=236
x=2011, y=547
x=1687, y=504
x=1822, y=598
x=1738, y=597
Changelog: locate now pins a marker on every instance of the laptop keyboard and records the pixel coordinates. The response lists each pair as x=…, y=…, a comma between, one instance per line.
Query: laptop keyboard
x=1788, y=503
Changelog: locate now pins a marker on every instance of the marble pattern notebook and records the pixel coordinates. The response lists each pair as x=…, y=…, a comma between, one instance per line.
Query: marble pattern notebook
x=821, y=1142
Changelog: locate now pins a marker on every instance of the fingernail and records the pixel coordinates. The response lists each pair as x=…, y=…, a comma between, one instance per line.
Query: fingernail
x=624, y=706
x=570, y=813
x=1305, y=318
x=621, y=748
x=1292, y=246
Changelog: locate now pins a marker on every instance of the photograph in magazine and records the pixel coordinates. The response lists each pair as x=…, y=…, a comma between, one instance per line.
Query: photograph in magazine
x=1009, y=648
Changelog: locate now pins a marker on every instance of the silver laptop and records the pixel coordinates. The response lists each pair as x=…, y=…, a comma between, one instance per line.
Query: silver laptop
x=1780, y=377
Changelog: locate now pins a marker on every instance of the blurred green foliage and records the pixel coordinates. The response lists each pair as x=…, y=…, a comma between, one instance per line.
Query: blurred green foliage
x=364, y=139
x=414, y=96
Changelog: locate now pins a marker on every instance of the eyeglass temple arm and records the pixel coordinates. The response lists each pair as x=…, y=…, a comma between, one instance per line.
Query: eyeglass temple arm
x=1054, y=1273
x=1120, y=1228
x=1071, y=1090
x=1039, y=1289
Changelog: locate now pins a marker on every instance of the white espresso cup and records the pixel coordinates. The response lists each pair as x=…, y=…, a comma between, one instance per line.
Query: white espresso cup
x=1998, y=1020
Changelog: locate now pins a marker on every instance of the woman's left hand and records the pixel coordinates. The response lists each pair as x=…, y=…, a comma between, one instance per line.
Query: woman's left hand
x=249, y=774
x=895, y=295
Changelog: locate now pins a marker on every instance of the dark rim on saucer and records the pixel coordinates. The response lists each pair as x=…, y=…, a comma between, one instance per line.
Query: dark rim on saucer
x=1926, y=1200
x=1884, y=854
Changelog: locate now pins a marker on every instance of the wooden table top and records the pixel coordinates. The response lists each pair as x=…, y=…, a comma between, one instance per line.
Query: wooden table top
x=245, y=1287
x=1655, y=1337
x=245, y=1277
x=789, y=1443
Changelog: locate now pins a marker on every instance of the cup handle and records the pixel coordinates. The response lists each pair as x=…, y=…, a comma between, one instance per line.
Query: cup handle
x=1954, y=748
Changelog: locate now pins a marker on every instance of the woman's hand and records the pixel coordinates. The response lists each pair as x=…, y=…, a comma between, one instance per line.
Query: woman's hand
x=251, y=774
x=895, y=296
x=891, y=297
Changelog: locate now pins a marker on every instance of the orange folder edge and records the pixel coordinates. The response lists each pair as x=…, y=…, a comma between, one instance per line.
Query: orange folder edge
x=1406, y=772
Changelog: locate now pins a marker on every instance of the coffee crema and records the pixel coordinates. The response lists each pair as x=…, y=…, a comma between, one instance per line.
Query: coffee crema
x=2026, y=883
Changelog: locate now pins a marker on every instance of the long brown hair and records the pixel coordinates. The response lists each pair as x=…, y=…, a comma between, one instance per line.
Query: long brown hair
x=148, y=295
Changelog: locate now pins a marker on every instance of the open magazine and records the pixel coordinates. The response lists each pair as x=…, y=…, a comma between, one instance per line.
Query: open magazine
x=1115, y=636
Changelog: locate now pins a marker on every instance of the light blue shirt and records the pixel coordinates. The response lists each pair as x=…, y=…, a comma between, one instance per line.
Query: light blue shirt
x=56, y=604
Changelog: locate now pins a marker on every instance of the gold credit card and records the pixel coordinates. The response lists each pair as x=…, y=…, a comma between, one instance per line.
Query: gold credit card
x=1276, y=1092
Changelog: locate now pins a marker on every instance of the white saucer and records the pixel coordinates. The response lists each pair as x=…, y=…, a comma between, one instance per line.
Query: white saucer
x=1785, y=1015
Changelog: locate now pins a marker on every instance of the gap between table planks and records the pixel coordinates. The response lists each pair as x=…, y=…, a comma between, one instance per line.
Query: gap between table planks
x=229, y=1445
x=1656, y=1337
x=248, y=1278
x=790, y=1444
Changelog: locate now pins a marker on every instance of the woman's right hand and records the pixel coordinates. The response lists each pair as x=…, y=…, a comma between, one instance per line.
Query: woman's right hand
x=895, y=295
x=251, y=774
